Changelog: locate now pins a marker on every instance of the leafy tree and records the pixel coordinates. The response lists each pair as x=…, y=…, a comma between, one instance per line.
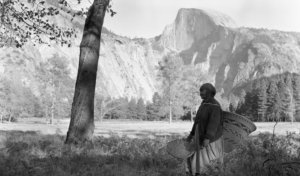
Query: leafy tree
x=4, y=98
x=154, y=109
x=23, y=21
x=224, y=102
x=169, y=69
x=141, y=109
x=187, y=90
x=56, y=87
x=132, y=109
x=15, y=100
x=81, y=126
x=105, y=105
x=121, y=111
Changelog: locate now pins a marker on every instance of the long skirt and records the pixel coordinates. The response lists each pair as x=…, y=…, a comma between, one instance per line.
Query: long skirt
x=201, y=158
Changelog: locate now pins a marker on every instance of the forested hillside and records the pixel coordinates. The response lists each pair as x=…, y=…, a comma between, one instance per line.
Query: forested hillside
x=275, y=98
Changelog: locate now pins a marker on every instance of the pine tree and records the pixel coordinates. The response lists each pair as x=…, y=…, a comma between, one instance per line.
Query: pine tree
x=245, y=107
x=271, y=96
x=286, y=101
x=262, y=100
x=277, y=104
x=296, y=95
x=291, y=108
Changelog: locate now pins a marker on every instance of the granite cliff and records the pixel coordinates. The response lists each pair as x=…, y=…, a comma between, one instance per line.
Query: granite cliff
x=226, y=54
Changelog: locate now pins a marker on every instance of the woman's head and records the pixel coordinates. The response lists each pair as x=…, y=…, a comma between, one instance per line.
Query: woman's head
x=207, y=90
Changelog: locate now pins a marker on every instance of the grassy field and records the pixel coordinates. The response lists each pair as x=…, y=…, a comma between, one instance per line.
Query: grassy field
x=133, y=148
x=134, y=129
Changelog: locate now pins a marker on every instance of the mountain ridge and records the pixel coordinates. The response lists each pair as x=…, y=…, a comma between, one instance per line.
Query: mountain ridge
x=225, y=54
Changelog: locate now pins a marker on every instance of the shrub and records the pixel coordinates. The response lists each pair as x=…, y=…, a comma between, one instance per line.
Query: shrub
x=30, y=153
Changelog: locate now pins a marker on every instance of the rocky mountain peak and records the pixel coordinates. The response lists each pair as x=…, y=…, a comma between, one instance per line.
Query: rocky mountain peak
x=206, y=41
x=193, y=25
x=214, y=17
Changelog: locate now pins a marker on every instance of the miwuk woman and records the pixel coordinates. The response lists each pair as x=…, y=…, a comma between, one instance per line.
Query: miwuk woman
x=206, y=133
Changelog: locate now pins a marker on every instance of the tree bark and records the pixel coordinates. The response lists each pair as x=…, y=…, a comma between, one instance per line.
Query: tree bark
x=9, y=117
x=52, y=109
x=81, y=126
x=52, y=101
x=170, y=111
x=46, y=113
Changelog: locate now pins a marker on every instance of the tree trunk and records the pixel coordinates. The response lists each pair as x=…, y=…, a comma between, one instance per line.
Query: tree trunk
x=52, y=101
x=81, y=126
x=292, y=106
x=52, y=109
x=170, y=106
x=9, y=117
x=101, y=111
x=46, y=113
x=58, y=103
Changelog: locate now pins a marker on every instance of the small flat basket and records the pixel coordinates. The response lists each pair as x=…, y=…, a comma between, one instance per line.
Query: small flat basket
x=180, y=149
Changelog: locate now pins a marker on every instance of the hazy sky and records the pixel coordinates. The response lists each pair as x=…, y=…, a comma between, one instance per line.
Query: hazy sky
x=147, y=18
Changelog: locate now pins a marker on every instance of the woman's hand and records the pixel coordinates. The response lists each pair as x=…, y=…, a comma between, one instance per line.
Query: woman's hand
x=189, y=138
x=205, y=142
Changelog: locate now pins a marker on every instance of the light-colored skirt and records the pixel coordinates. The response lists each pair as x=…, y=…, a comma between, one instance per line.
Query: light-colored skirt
x=200, y=159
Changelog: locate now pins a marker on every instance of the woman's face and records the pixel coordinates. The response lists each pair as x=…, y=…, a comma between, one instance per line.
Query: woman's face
x=204, y=94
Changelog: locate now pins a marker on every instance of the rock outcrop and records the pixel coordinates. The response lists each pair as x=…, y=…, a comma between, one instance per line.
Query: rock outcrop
x=210, y=41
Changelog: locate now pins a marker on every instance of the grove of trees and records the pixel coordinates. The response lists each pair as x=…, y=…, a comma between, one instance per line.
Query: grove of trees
x=52, y=97
x=276, y=98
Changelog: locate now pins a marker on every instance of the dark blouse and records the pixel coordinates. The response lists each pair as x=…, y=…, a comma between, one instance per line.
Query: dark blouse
x=210, y=120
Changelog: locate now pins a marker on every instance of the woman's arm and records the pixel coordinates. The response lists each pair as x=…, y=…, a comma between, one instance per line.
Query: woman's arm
x=192, y=133
x=213, y=122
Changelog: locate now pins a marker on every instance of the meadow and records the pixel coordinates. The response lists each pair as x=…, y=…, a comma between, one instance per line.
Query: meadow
x=135, y=128
x=135, y=148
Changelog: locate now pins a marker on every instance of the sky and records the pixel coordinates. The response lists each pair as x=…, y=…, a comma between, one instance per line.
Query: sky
x=148, y=18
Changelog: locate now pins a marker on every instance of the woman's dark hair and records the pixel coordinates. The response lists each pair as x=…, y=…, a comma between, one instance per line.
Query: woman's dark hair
x=210, y=88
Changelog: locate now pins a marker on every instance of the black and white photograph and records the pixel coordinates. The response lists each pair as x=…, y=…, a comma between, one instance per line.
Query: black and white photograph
x=149, y=88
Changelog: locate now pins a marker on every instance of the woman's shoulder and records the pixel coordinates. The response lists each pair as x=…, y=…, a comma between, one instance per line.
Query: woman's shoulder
x=212, y=103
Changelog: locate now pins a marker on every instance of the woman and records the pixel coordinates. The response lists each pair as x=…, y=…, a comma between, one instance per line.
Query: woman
x=206, y=132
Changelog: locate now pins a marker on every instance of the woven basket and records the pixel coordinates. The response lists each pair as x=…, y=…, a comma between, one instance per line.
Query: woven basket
x=180, y=149
x=236, y=129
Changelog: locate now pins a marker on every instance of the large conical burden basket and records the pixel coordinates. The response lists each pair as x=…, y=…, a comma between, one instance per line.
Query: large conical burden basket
x=236, y=129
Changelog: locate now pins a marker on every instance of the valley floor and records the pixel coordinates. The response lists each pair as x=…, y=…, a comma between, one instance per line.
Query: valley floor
x=142, y=153
x=133, y=129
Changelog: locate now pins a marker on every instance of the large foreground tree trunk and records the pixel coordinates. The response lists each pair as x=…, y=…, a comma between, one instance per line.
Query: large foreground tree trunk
x=81, y=126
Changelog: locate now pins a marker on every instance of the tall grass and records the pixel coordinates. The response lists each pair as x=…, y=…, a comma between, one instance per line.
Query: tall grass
x=30, y=153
